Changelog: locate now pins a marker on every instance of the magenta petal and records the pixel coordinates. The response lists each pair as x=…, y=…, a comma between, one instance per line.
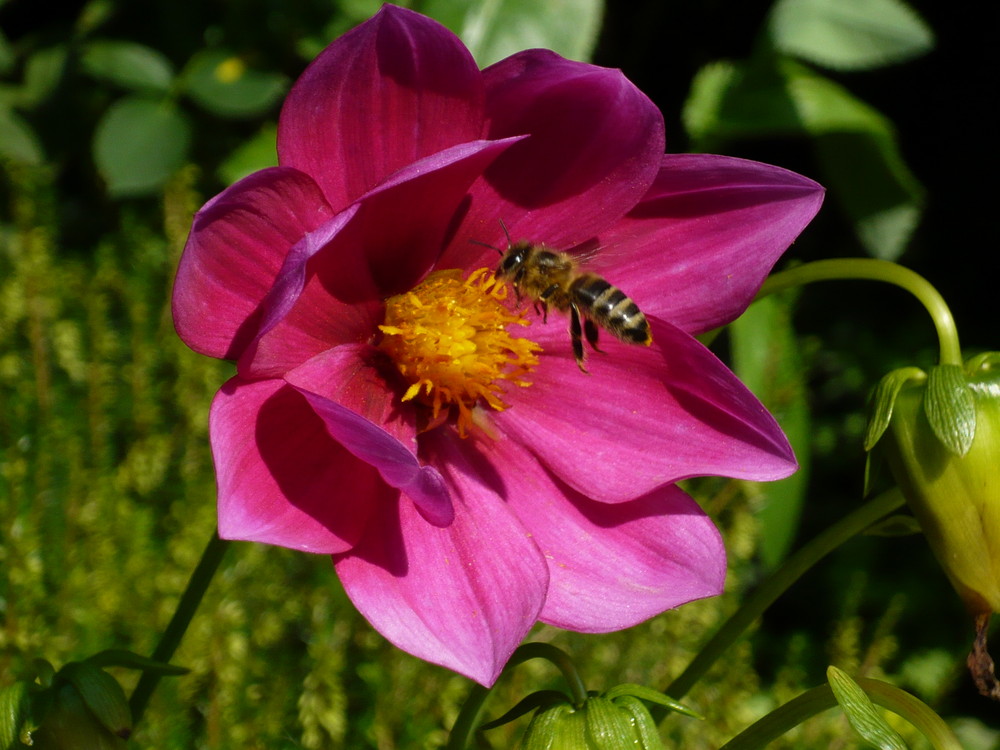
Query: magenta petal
x=612, y=566
x=237, y=244
x=282, y=479
x=330, y=383
x=337, y=296
x=463, y=596
x=391, y=91
x=646, y=417
x=594, y=149
x=699, y=245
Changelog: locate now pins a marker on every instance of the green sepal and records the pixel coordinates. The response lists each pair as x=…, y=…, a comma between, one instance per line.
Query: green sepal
x=861, y=712
x=607, y=725
x=642, y=723
x=950, y=408
x=982, y=363
x=884, y=399
x=102, y=695
x=543, y=727
x=542, y=699
x=15, y=708
x=119, y=657
x=652, y=696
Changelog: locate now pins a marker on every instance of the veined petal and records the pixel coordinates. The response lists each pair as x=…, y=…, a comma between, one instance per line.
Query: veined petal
x=237, y=245
x=698, y=247
x=611, y=566
x=594, y=149
x=646, y=416
x=282, y=479
x=391, y=91
x=339, y=288
x=463, y=596
x=361, y=412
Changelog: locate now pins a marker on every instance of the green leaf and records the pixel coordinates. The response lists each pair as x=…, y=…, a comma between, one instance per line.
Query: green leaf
x=884, y=400
x=894, y=526
x=257, y=153
x=42, y=73
x=127, y=64
x=6, y=54
x=102, y=694
x=849, y=34
x=138, y=144
x=766, y=358
x=222, y=83
x=856, y=145
x=650, y=695
x=950, y=408
x=18, y=141
x=116, y=657
x=861, y=712
x=494, y=29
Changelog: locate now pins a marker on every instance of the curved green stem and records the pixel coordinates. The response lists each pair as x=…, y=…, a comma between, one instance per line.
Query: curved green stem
x=472, y=709
x=877, y=270
x=819, y=699
x=793, y=569
x=186, y=607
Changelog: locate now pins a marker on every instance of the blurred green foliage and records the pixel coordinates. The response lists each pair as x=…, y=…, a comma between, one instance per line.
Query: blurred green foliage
x=106, y=484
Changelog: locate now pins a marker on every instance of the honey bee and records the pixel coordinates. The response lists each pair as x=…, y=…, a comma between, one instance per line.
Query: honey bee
x=551, y=278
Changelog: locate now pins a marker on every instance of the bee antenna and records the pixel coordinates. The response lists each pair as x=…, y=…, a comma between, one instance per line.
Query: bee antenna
x=506, y=233
x=484, y=244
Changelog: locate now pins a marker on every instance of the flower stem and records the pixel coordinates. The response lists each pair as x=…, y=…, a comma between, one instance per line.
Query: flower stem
x=468, y=718
x=792, y=569
x=819, y=699
x=189, y=601
x=877, y=270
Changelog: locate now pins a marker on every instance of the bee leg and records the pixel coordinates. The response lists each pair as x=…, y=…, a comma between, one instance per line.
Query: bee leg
x=543, y=299
x=576, y=337
x=590, y=330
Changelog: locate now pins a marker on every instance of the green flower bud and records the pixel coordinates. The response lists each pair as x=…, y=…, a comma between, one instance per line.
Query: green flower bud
x=942, y=442
x=617, y=720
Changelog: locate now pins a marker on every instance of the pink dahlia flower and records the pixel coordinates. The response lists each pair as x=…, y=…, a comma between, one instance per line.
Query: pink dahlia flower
x=392, y=409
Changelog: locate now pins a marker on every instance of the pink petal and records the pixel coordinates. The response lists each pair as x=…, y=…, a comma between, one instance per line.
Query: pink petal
x=391, y=91
x=594, y=149
x=643, y=418
x=336, y=294
x=698, y=247
x=282, y=479
x=611, y=566
x=462, y=596
x=361, y=412
x=236, y=247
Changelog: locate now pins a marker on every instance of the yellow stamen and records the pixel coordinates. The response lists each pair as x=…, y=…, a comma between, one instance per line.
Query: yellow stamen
x=448, y=338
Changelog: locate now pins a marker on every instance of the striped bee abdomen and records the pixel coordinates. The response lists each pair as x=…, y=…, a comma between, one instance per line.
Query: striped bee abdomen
x=610, y=308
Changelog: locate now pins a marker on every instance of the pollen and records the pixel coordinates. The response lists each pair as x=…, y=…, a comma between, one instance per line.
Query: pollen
x=449, y=339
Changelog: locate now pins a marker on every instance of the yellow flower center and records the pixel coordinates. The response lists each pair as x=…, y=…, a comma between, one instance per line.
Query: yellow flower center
x=448, y=338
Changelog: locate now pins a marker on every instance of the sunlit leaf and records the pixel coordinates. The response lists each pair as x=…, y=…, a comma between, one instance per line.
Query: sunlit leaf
x=224, y=85
x=138, y=144
x=18, y=141
x=494, y=30
x=849, y=34
x=133, y=66
x=861, y=712
x=42, y=74
x=766, y=358
x=856, y=144
x=257, y=153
